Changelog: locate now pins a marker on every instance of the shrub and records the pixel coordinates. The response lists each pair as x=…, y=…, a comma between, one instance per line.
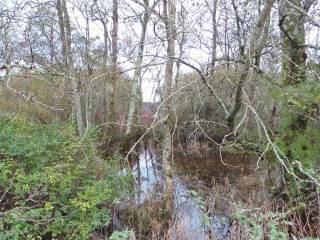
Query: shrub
x=52, y=184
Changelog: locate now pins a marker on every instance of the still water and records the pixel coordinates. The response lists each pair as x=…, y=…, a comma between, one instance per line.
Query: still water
x=191, y=219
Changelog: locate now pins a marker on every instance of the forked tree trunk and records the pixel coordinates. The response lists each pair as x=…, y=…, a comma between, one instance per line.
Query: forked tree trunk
x=137, y=73
x=65, y=35
x=254, y=48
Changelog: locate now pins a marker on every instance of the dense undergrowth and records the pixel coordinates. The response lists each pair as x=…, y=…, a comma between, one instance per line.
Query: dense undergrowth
x=54, y=185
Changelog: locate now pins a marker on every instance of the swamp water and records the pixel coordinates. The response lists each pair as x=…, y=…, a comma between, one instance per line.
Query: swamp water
x=196, y=215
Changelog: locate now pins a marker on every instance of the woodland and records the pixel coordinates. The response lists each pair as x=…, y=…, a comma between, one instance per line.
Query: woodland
x=159, y=119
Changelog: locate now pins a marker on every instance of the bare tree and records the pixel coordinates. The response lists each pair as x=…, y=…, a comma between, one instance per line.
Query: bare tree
x=137, y=71
x=213, y=11
x=114, y=59
x=100, y=12
x=170, y=18
x=65, y=36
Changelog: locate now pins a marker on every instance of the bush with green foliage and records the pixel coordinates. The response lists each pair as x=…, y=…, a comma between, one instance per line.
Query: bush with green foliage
x=53, y=184
x=298, y=133
x=259, y=225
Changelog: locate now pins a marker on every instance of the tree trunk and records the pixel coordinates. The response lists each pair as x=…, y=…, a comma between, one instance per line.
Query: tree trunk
x=251, y=120
x=7, y=61
x=214, y=36
x=170, y=14
x=293, y=41
x=114, y=57
x=181, y=42
x=137, y=72
x=105, y=66
x=291, y=22
x=254, y=47
x=65, y=35
x=62, y=31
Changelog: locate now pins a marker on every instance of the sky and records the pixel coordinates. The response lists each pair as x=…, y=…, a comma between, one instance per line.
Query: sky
x=197, y=30
x=129, y=33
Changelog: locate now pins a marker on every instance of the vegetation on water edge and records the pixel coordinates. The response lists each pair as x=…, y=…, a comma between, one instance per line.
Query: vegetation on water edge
x=54, y=184
x=234, y=76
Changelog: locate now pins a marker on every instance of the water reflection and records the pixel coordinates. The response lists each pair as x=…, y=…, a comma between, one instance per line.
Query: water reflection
x=188, y=217
x=148, y=175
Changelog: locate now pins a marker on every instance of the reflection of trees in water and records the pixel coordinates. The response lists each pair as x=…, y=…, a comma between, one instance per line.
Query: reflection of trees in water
x=147, y=174
x=186, y=214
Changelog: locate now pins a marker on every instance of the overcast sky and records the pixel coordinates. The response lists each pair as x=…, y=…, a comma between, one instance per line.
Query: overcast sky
x=198, y=31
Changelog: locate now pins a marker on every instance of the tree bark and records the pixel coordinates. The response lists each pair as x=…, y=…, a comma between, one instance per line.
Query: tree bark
x=293, y=39
x=181, y=42
x=101, y=15
x=114, y=58
x=65, y=35
x=291, y=23
x=7, y=60
x=252, y=92
x=105, y=66
x=62, y=31
x=247, y=58
x=214, y=36
x=137, y=72
x=170, y=15
x=90, y=85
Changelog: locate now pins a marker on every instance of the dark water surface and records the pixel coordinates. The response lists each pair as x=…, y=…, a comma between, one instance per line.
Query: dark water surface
x=191, y=219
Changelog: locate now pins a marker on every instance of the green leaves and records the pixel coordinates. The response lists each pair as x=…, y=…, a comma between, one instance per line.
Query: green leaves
x=297, y=102
x=200, y=203
x=123, y=235
x=297, y=134
x=55, y=185
x=263, y=224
